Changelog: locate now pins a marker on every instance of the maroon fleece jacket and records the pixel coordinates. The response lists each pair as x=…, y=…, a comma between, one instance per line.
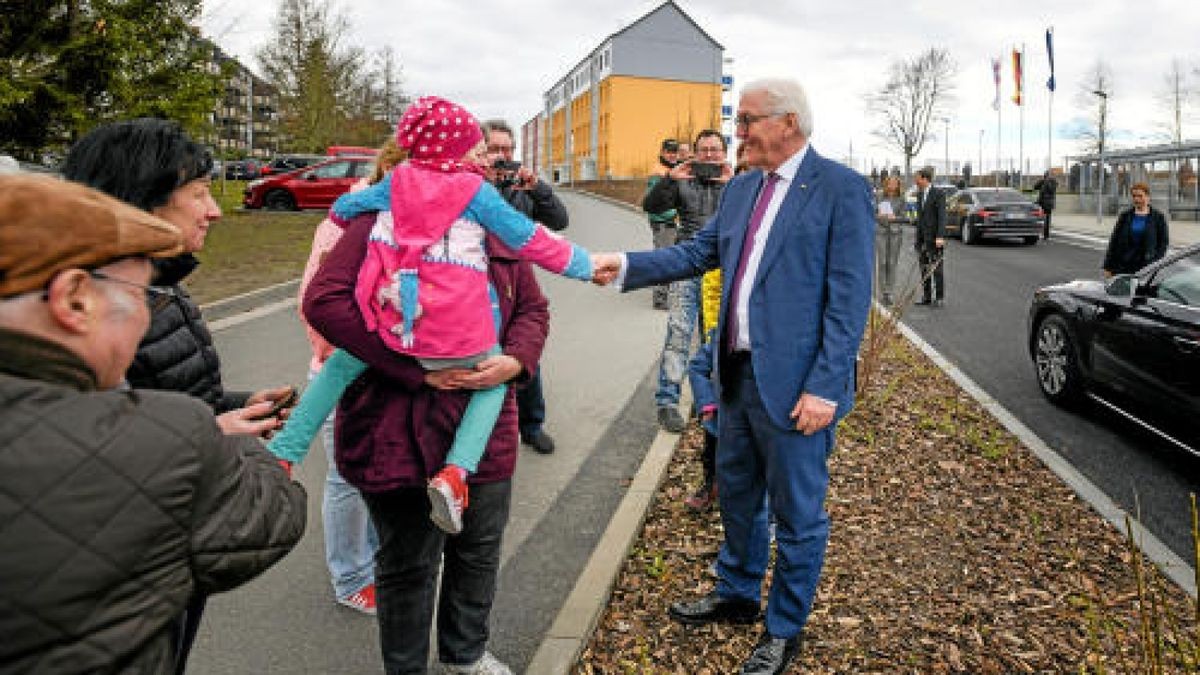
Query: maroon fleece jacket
x=392, y=429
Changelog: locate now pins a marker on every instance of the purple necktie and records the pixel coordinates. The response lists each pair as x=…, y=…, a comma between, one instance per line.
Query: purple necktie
x=756, y=218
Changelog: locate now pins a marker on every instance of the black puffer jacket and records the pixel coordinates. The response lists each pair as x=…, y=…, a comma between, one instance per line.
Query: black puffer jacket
x=177, y=352
x=539, y=203
x=116, y=507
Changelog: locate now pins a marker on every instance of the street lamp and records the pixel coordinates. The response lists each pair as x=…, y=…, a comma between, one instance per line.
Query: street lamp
x=1100, y=155
x=946, y=156
x=979, y=169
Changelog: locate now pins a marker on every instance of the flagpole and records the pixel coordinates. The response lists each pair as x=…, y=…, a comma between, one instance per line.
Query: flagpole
x=1021, y=134
x=1050, y=108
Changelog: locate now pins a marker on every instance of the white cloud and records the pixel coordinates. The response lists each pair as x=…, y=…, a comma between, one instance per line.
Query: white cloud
x=498, y=58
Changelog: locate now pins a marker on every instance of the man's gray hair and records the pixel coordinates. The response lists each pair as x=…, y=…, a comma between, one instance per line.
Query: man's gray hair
x=785, y=95
x=497, y=124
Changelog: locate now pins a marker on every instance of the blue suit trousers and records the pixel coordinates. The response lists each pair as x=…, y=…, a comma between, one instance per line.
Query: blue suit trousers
x=757, y=458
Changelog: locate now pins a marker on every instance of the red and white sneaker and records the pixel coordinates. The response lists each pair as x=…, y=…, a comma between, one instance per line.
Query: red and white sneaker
x=363, y=600
x=447, y=499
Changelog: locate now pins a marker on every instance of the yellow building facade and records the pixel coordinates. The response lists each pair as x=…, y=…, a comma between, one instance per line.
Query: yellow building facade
x=660, y=77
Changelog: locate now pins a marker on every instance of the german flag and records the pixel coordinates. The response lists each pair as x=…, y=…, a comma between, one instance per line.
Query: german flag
x=1018, y=60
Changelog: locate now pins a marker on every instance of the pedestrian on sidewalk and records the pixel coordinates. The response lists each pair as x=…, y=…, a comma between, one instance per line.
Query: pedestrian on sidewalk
x=931, y=238
x=154, y=165
x=794, y=240
x=1140, y=237
x=1046, y=188
x=396, y=426
x=890, y=219
x=118, y=506
x=350, y=538
x=530, y=195
x=662, y=223
x=692, y=189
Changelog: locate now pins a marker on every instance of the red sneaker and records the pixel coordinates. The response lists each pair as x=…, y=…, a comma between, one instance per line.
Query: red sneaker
x=447, y=499
x=363, y=600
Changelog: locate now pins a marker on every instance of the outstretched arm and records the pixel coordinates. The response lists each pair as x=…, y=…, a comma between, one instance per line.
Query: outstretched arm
x=528, y=239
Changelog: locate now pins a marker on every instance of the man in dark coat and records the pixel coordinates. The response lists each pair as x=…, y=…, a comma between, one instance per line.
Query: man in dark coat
x=521, y=188
x=117, y=505
x=1046, y=188
x=931, y=238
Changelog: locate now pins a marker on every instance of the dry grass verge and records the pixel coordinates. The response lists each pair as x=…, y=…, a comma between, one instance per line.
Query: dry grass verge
x=953, y=550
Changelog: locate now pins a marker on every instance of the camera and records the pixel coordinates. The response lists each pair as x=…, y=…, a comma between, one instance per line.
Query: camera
x=706, y=171
x=506, y=172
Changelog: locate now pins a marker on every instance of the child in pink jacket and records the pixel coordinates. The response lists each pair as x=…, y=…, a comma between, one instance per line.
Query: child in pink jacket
x=423, y=286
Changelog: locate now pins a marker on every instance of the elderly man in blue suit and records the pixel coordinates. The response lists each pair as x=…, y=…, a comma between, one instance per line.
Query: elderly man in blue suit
x=794, y=238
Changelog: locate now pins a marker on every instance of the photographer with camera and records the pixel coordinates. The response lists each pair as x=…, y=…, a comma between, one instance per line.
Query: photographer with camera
x=693, y=189
x=522, y=189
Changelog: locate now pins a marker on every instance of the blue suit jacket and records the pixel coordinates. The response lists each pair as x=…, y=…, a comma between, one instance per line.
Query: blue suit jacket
x=809, y=301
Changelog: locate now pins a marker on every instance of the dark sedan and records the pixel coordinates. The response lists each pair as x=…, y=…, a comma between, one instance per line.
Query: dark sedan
x=977, y=213
x=1131, y=344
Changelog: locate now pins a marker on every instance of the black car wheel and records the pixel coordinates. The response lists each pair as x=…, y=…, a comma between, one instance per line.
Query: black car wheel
x=969, y=233
x=279, y=200
x=1030, y=241
x=1057, y=364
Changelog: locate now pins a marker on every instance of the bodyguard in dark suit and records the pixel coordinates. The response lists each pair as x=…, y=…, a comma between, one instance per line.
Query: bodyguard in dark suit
x=931, y=238
x=794, y=239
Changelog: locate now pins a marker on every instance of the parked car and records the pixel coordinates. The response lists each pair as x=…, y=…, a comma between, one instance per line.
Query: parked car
x=313, y=187
x=350, y=151
x=242, y=169
x=910, y=198
x=977, y=213
x=286, y=163
x=1132, y=344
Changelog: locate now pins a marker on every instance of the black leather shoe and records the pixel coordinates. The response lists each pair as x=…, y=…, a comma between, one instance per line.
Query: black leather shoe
x=923, y=302
x=540, y=442
x=670, y=419
x=771, y=656
x=713, y=608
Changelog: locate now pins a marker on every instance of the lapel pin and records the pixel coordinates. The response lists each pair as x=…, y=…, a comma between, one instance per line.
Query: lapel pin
x=804, y=186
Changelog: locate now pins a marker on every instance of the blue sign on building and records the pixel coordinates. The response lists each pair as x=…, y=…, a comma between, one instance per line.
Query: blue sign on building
x=726, y=112
x=726, y=82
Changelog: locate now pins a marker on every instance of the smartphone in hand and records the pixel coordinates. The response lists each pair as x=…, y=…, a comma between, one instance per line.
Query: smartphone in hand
x=286, y=401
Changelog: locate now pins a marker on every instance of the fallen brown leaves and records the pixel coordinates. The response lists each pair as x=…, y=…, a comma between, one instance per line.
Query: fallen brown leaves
x=953, y=550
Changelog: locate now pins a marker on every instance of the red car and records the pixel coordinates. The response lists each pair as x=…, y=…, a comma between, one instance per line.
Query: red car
x=313, y=187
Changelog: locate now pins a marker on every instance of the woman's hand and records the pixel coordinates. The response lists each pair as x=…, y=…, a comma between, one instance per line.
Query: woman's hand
x=249, y=421
x=491, y=372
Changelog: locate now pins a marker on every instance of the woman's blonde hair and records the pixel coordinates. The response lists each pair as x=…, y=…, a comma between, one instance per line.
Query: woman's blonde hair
x=390, y=154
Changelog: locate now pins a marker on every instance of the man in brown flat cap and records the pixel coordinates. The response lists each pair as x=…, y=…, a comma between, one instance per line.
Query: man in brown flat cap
x=116, y=506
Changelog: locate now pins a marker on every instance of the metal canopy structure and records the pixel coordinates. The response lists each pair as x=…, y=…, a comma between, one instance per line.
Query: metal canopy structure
x=1169, y=169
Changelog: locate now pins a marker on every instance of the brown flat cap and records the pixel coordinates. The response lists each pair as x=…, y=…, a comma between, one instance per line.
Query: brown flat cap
x=48, y=225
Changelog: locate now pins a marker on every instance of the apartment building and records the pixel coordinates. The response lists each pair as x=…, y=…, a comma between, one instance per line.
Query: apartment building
x=245, y=122
x=661, y=76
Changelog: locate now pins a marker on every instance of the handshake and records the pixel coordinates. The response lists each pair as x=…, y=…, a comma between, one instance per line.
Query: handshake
x=605, y=268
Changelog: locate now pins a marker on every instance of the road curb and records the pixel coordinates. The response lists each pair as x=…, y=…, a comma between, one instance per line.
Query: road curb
x=573, y=627
x=249, y=301
x=1173, y=566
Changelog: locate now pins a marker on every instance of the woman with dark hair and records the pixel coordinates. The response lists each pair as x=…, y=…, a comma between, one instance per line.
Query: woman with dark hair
x=1140, y=237
x=154, y=165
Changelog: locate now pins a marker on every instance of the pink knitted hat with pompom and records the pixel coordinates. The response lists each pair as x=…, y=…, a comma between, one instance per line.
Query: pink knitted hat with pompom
x=437, y=133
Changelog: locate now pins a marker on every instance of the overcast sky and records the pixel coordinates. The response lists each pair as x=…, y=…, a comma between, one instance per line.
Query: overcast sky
x=497, y=58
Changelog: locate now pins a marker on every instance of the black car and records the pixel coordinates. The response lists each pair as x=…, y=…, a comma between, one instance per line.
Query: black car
x=242, y=169
x=977, y=213
x=1131, y=344
x=286, y=163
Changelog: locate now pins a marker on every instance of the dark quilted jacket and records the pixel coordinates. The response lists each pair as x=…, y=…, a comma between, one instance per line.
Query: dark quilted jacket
x=177, y=352
x=115, y=508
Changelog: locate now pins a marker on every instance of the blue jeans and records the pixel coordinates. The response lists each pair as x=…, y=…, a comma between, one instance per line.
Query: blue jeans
x=757, y=458
x=350, y=539
x=683, y=308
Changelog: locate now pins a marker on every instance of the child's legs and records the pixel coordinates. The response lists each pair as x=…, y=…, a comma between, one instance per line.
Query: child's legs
x=319, y=399
x=476, y=427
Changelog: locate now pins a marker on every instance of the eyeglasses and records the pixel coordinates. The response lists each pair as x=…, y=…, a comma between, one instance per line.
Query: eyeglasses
x=153, y=293
x=744, y=120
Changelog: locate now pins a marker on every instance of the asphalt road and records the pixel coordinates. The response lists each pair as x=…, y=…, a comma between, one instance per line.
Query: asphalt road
x=598, y=369
x=982, y=330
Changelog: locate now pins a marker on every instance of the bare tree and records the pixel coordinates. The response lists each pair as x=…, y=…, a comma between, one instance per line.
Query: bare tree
x=1094, y=93
x=918, y=90
x=317, y=75
x=1173, y=98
